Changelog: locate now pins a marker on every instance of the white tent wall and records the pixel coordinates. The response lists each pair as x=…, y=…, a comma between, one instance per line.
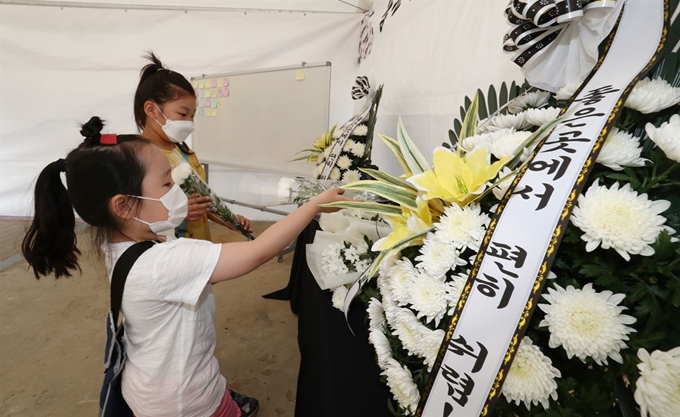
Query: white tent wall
x=429, y=56
x=59, y=66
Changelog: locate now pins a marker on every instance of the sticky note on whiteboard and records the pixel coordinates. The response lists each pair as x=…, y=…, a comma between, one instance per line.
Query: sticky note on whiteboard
x=226, y=82
x=300, y=75
x=220, y=103
x=201, y=84
x=214, y=112
x=220, y=83
x=225, y=92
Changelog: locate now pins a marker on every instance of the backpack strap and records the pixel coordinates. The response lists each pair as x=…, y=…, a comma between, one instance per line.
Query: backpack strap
x=120, y=274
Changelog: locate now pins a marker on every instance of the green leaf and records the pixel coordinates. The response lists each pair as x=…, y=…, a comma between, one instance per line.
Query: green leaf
x=482, y=111
x=492, y=99
x=386, y=178
x=401, y=196
x=469, y=127
x=503, y=95
x=414, y=159
x=368, y=206
x=393, y=144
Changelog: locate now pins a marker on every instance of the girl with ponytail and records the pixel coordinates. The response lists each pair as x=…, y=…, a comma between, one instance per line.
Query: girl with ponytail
x=121, y=186
x=164, y=107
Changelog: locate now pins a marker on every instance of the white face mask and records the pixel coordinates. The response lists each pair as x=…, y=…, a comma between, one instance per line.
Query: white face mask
x=177, y=130
x=177, y=204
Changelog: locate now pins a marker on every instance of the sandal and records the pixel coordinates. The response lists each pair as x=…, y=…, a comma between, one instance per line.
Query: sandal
x=249, y=406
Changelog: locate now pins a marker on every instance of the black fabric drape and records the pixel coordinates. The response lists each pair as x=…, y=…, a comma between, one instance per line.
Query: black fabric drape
x=338, y=375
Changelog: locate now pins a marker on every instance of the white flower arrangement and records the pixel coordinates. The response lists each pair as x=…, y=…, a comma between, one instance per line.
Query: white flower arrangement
x=595, y=305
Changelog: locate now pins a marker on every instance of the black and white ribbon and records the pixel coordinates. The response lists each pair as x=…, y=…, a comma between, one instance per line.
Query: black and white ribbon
x=537, y=23
x=361, y=87
x=514, y=260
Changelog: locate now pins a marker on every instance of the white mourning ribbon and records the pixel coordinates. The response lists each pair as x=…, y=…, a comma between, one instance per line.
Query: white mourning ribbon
x=514, y=260
x=361, y=89
x=555, y=42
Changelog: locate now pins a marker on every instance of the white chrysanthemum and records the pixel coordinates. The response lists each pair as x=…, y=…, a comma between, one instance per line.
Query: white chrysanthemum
x=337, y=133
x=349, y=145
x=586, y=323
x=508, y=145
x=351, y=176
x=398, y=279
x=651, y=96
x=331, y=260
x=429, y=297
x=539, y=117
x=500, y=190
x=382, y=347
x=621, y=149
x=438, y=256
x=344, y=162
x=504, y=121
x=360, y=130
x=666, y=137
x=531, y=378
x=526, y=101
x=619, y=219
x=285, y=189
x=335, y=174
x=454, y=289
x=465, y=227
x=483, y=139
x=339, y=295
x=416, y=338
x=486, y=140
x=181, y=172
x=354, y=252
x=327, y=151
x=318, y=170
x=361, y=265
x=404, y=390
x=432, y=342
x=567, y=91
x=376, y=314
x=657, y=391
x=359, y=149
x=389, y=305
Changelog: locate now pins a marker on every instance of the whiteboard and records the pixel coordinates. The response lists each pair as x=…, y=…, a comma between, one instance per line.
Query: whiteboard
x=260, y=119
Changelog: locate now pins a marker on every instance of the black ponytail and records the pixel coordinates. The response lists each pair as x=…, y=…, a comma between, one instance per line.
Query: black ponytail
x=95, y=173
x=50, y=242
x=160, y=85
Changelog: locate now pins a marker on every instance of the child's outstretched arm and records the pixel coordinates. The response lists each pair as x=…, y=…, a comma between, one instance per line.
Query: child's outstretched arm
x=240, y=258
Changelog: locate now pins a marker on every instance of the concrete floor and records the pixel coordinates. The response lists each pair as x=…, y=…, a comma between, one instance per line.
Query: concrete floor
x=52, y=334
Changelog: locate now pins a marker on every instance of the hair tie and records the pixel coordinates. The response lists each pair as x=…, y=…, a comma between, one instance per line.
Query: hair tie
x=108, y=139
x=160, y=69
x=61, y=164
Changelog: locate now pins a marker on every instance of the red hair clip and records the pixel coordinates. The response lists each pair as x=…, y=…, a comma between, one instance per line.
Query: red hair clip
x=108, y=139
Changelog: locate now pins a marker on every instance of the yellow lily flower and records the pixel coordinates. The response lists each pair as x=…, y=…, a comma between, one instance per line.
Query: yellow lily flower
x=455, y=179
x=408, y=224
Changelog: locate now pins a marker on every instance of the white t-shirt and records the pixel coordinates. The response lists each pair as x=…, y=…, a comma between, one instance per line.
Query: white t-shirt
x=169, y=311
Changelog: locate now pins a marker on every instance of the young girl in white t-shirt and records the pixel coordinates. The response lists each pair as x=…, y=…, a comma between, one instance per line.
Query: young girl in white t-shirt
x=122, y=186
